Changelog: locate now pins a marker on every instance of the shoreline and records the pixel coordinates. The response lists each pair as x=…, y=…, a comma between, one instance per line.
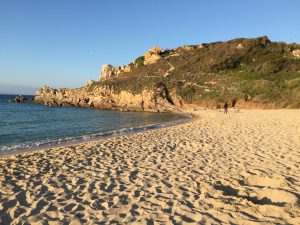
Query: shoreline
x=185, y=117
x=236, y=168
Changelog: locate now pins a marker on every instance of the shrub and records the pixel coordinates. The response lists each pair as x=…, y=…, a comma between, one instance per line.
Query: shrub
x=139, y=61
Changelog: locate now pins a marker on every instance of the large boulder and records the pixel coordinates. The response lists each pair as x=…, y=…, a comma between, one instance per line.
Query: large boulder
x=153, y=55
x=240, y=46
x=110, y=71
x=107, y=71
x=122, y=69
x=296, y=53
x=155, y=50
x=186, y=48
x=89, y=83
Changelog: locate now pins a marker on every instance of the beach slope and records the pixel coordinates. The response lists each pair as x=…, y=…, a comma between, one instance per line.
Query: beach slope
x=239, y=168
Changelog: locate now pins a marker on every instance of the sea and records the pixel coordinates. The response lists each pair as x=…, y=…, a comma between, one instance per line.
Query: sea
x=35, y=126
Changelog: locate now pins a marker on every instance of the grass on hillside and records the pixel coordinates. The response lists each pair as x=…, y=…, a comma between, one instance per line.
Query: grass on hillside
x=260, y=71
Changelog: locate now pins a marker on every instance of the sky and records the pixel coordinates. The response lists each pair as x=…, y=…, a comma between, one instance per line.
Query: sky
x=64, y=43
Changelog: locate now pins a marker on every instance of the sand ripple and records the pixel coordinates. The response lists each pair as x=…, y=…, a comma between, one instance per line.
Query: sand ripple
x=240, y=168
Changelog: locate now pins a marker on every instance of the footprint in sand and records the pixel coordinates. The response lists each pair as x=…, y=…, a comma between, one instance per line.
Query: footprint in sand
x=264, y=181
x=277, y=197
x=268, y=189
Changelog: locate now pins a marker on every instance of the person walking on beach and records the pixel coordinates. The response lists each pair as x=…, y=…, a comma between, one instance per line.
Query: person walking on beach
x=225, y=107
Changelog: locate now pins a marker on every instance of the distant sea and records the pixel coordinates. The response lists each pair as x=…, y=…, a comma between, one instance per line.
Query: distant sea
x=31, y=125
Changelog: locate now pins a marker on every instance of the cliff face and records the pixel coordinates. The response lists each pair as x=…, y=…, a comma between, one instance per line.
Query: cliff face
x=106, y=97
x=110, y=71
x=247, y=73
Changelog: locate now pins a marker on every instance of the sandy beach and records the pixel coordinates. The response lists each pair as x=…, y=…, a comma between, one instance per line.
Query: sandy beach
x=239, y=168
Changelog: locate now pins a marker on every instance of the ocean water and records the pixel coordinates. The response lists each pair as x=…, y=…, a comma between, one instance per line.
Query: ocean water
x=30, y=125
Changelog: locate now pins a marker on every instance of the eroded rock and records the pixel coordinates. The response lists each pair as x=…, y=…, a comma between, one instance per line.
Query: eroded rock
x=296, y=53
x=240, y=46
x=106, y=97
x=153, y=55
x=110, y=71
x=20, y=99
x=89, y=83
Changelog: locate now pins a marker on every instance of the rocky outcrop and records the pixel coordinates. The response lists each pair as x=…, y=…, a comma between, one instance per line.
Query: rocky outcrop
x=107, y=71
x=60, y=97
x=240, y=46
x=153, y=55
x=296, y=53
x=205, y=75
x=106, y=97
x=110, y=71
x=20, y=99
x=90, y=82
x=186, y=48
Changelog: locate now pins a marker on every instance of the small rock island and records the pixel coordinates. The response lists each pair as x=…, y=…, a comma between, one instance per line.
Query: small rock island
x=21, y=99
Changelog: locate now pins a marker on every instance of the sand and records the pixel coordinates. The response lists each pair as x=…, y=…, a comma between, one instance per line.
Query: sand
x=239, y=168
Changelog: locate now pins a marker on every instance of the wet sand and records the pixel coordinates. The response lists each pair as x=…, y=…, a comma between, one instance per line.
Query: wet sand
x=240, y=168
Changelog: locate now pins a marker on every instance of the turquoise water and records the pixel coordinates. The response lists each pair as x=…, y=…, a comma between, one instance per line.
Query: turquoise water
x=30, y=125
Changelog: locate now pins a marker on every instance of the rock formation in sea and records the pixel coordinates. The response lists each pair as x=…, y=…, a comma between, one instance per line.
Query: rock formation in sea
x=105, y=97
x=252, y=73
x=21, y=99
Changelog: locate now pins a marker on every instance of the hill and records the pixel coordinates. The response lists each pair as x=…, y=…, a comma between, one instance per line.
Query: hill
x=248, y=73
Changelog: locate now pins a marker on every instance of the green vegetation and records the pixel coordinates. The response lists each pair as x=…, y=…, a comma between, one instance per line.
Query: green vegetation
x=259, y=71
x=139, y=61
x=134, y=85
